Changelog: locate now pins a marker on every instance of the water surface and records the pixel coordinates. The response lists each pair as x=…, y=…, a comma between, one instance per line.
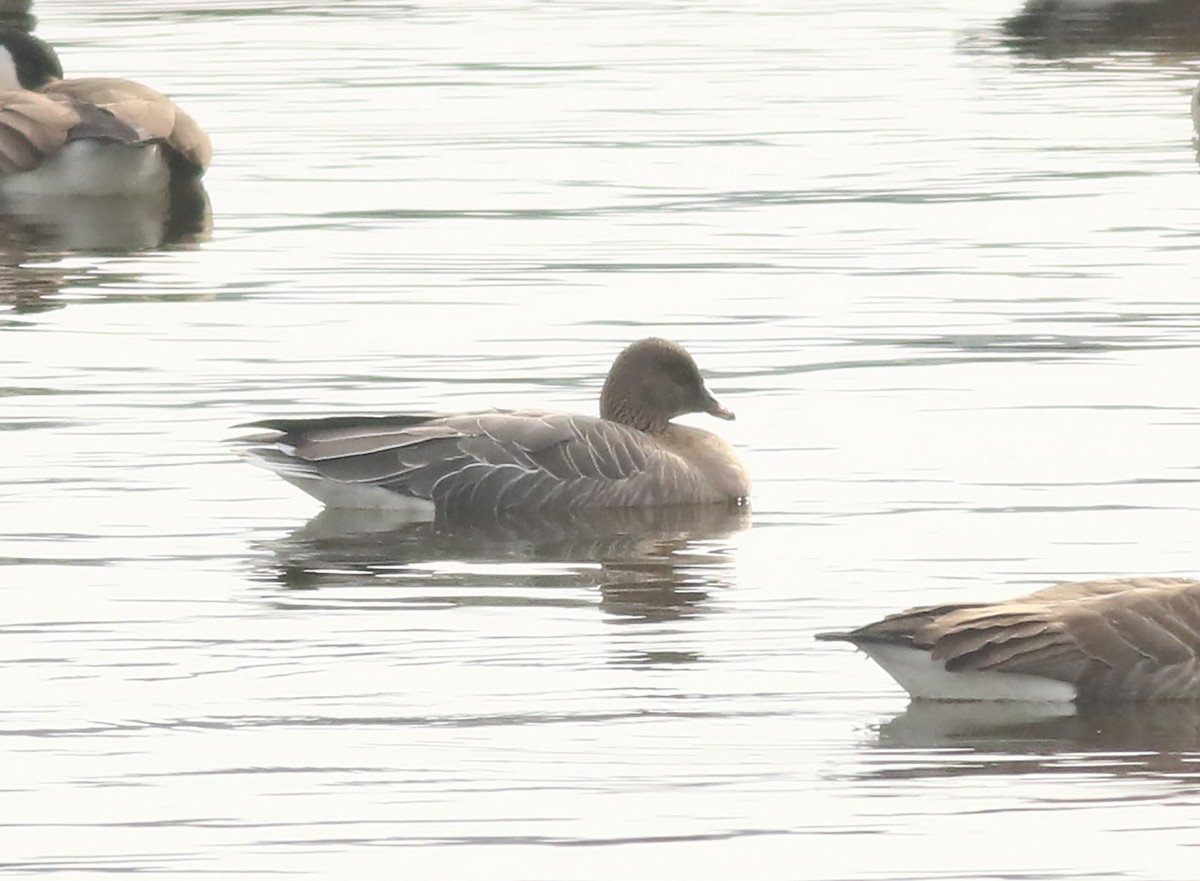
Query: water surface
x=948, y=285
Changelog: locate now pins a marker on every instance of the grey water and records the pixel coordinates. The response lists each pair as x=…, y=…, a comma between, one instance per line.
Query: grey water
x=947, y=281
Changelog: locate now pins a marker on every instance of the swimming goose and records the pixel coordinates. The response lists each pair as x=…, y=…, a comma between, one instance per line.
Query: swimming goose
x=87, y=137
x=1131, y=639
x=485, y=462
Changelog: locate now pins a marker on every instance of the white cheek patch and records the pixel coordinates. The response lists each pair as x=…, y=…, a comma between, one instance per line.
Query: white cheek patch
x=8, y=70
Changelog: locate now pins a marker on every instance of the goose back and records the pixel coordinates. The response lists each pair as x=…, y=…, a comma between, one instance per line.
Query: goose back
x=149, y=114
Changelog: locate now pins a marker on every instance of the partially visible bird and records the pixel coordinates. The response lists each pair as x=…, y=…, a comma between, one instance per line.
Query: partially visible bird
x=1131, y=639
x=88, y=137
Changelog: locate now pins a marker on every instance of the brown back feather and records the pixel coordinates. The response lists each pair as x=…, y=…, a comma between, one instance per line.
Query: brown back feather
x=149, y=112
x=32, y=128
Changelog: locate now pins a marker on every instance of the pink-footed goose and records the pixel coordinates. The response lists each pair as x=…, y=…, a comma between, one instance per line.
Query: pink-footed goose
x=486, y=462
x=1131, y=639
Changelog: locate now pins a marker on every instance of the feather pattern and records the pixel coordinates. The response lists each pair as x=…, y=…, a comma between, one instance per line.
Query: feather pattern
x=32, y=128
x=484, y=462
x=149, y=115
x=499, y=460
x=1119, y=639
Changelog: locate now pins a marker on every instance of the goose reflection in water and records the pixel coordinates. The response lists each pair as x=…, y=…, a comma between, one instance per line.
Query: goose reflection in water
x=650, y=564
x=35, y=230
x=945, y=739
x=1056, y=28
x=26, y=288
x=109, y=224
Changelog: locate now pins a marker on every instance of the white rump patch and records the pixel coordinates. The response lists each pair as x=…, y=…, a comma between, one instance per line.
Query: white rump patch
x=280, y=458
x=8, y=71
x=927, y=679
x=364, y=496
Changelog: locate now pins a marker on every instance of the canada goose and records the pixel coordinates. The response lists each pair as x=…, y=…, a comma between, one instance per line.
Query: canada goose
x=495, y=460
x=1127, y=639
x=87, y=137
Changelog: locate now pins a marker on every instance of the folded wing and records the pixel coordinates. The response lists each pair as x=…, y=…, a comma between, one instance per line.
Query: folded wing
x=32, y=128
x=149, y=113
x=1130, y=639
x=485, y=462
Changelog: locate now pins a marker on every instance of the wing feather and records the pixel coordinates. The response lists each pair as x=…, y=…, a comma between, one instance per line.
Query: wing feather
x=1130, y=639
x=32, y=128
x=147, y=111
x=493, y=460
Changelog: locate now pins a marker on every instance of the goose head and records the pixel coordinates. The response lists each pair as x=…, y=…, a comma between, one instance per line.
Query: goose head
x=26, y=62
x=651, y=382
